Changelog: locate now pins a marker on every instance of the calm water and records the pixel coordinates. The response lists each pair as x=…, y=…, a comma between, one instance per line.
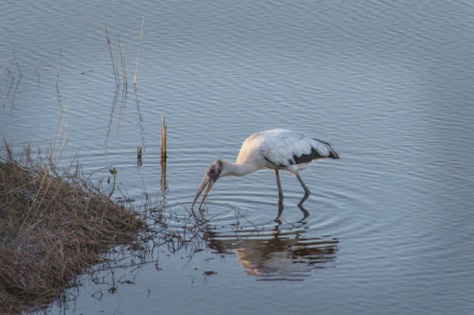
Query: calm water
x=390, y=84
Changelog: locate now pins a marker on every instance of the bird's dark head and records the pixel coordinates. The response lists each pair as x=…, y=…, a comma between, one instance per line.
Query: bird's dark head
x=212, y=175
x=215, y=170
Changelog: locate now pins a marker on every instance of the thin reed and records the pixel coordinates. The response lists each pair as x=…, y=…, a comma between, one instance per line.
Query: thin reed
x=135, y=76
x=164, y=186
x=124, y=65
x=163, y=138
x=114, y=65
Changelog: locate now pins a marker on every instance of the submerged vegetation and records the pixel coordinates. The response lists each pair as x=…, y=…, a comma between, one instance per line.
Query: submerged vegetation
x=54, y=224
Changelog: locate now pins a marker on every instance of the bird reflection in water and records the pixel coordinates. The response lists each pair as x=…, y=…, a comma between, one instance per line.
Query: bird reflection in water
x=275, y=254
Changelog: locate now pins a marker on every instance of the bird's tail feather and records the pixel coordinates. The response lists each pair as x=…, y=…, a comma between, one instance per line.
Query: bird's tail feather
x=332, y=152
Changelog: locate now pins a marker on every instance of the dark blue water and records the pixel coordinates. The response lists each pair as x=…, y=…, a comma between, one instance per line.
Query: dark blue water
x=390, y=84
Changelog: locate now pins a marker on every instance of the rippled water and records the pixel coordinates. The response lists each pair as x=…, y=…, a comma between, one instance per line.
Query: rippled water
x=390, y=84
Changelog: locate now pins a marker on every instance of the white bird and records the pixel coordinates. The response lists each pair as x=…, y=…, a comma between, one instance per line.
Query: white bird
x=275, y=149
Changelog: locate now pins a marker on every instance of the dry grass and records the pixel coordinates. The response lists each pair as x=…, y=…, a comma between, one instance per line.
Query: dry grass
x=53, y=225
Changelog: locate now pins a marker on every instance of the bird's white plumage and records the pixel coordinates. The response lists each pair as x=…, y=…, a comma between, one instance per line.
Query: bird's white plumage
x=279, y=148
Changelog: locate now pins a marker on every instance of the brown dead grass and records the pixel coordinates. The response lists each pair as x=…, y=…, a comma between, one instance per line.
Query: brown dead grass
x=53, y=225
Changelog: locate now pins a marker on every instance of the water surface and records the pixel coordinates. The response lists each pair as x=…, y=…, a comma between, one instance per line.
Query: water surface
x=390, y=84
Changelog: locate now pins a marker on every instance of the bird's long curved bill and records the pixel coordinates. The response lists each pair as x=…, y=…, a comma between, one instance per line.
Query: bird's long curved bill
x=206, y=181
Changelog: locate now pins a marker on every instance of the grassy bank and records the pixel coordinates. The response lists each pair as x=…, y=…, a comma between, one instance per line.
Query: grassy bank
x=53, y=225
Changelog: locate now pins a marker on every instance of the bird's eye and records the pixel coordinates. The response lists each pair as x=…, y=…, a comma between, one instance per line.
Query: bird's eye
x=213, y=171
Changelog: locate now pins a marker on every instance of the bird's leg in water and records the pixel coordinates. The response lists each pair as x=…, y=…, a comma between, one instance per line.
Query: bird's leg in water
x=306, y=191
x=280, y=208
x=280, y=193
x=305, y=212
x=306, y=195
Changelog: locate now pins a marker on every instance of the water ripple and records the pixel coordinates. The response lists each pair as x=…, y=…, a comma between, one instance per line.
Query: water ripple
x=266, y=249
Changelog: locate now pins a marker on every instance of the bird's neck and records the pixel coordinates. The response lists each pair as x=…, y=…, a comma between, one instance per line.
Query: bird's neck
x=237, y=169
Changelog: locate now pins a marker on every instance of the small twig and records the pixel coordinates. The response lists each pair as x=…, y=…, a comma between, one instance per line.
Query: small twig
x=19, y=78
x=16, y=62
x=124, y=65
x=163, y=155
x=10, y=73
x=163, y=138
x=138, y=54
x=114, y=172
x=59, y=66
x=139, y=155
x=117, y=80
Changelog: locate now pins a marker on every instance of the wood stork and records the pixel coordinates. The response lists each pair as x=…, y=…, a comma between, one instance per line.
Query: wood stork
x=275, y=149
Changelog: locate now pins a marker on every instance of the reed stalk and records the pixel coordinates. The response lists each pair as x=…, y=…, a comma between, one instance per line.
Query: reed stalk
x=114, y=65
x=163, y=138
x=163, y=155
x=139, y=155
x=135, y=76
x=124, y=65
